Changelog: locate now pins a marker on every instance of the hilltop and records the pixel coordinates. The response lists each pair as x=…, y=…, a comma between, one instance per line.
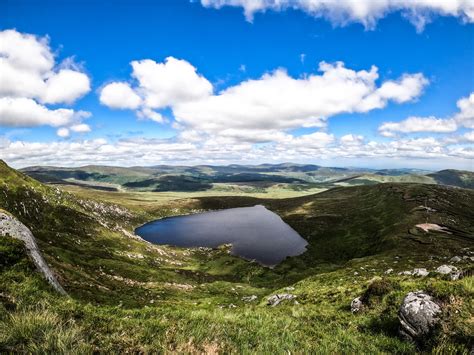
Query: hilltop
x=127, y=295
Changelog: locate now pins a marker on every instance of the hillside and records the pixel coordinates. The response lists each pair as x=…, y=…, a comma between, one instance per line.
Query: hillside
x=126, y=295
x=459, y=178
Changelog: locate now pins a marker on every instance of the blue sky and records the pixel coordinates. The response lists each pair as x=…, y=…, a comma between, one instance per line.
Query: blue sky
x=99, y=40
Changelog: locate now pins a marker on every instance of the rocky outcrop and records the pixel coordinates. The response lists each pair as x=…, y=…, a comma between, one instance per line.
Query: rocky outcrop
x=249, y=298
x=275, y=300
x=418, y=316
x=9, y=225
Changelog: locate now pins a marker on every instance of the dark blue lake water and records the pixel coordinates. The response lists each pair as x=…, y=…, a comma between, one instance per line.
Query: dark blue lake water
x=254, y=232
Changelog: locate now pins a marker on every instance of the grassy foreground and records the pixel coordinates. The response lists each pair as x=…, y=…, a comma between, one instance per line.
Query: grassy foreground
x=129, y=296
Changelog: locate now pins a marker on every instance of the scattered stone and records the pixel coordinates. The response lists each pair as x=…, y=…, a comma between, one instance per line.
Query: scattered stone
x=290, y=288
x=356, y=305
x=389, y=271
x=356, y=273
x=406, y=272
x=453, y=272
x=249, y=298
x=418, y=316
x=421, y=272
x=455, y=259
x=426, y=227
x=276, y=299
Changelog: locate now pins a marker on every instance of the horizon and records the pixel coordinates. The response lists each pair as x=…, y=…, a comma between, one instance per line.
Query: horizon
x=238, y=165
x=212, y=82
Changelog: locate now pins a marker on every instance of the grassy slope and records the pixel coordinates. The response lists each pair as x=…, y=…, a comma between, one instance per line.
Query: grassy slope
x=128, y=295
x=460, y=178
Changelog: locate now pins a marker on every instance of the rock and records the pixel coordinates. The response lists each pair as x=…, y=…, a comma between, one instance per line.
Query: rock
x=450, y=270
x=405, y=273
x=356, y=305
x=12, y=227
x=356, y=273
x=276, y=299
x=455, y=259
x=389, y=271
x=418, y=316
x=249, y=298
x=422, y=272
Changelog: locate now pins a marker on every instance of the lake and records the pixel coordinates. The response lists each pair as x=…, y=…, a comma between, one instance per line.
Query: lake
x=254, y=232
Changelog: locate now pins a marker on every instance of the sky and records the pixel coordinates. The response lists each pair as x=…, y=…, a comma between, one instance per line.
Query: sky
x=376, y=83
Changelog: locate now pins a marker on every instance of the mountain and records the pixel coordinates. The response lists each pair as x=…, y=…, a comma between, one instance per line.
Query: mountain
x=286, y=176
x=126, y=295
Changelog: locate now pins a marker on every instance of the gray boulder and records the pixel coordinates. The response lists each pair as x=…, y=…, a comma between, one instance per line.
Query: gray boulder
x=418, y=316
x=356, y=305
x=275, y=300
x=455, y=259
x=421, y=272
x=453, y=272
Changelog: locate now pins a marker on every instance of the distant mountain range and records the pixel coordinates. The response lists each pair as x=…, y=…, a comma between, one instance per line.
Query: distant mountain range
x=204, y=177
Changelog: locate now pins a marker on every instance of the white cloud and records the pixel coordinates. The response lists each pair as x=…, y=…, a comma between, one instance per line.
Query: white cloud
x=65, y=87
x=169, y=83
x=119, y=95
x=368, y=12
x=63, y=132
x=30, y=80
x=80, y=128
x=23, y=112
x=150, y=114
x=469, y=136
x=275, y=102
x=419, y=124
x=27, y=69
x=351, y=140
x=465, y=117
x=187, y=149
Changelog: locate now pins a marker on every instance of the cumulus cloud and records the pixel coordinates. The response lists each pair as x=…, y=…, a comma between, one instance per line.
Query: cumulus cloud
x=342, y=12
x=464, y=117
x=119, y=95
x=27, y=67
x=275, y=102
x=23, y=112
x=66, y=86
x=169, y=83
x=30, y=80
